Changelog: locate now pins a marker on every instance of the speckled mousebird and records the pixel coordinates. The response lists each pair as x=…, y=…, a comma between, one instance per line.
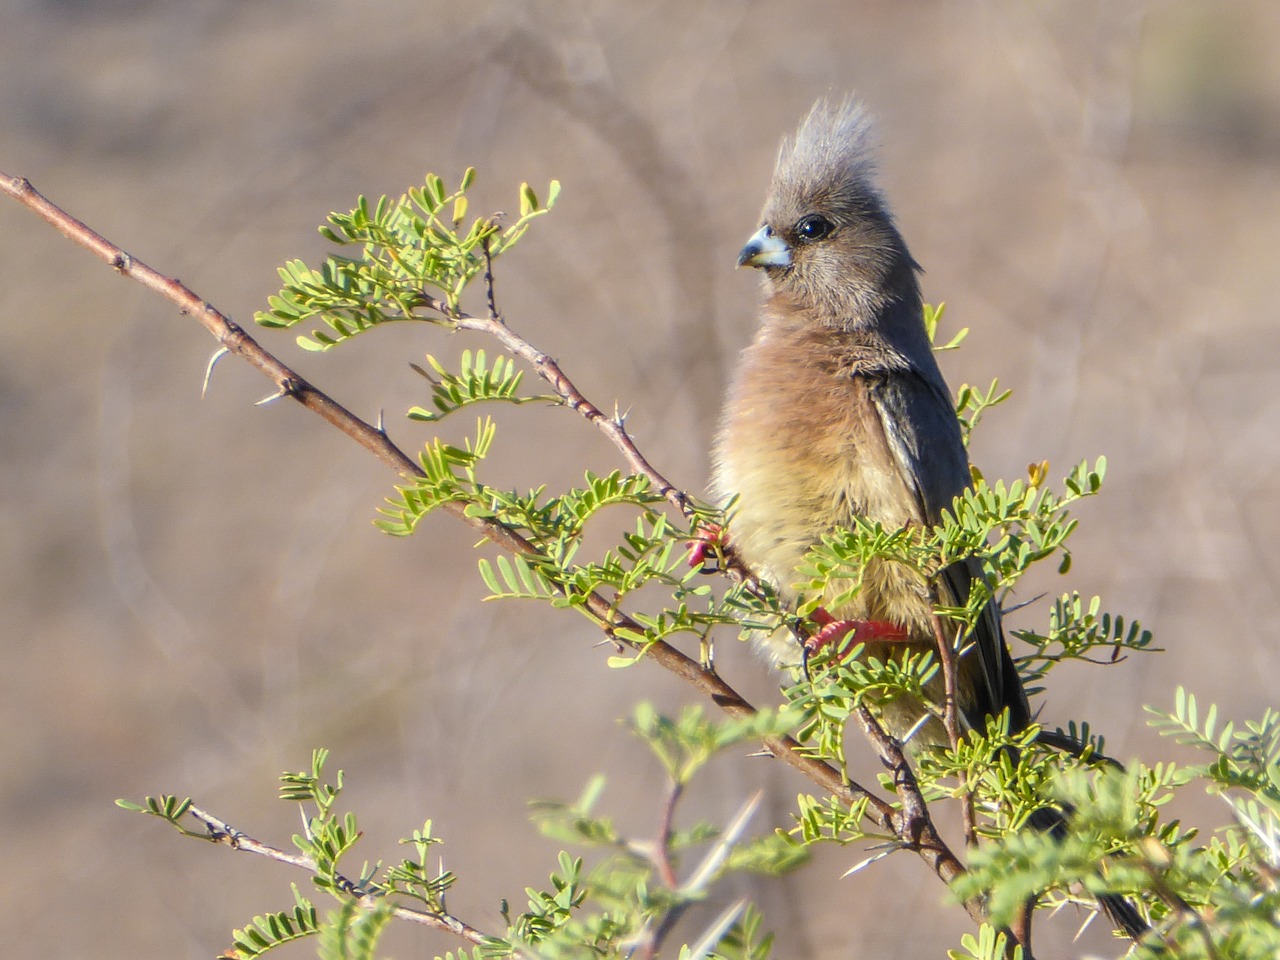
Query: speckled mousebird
x=838, y=410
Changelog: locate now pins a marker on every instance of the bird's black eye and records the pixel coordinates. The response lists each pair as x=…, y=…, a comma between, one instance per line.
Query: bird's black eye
x=813, y=228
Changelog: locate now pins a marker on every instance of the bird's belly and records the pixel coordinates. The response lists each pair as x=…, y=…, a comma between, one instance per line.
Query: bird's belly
x=804, y=452
x=787, y=503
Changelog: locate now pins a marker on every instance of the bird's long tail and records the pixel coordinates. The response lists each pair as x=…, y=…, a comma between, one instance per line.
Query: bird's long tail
x=1123, y=914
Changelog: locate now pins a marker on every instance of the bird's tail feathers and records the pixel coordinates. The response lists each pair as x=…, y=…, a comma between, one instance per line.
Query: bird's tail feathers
x=1121, y=911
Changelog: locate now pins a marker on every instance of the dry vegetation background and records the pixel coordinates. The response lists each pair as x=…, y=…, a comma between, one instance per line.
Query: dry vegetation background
x=192, y=593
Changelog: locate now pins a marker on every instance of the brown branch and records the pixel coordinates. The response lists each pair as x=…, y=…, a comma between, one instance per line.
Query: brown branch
x=660, y=857
x=662, y=850
x=951, y=722
x=913, y=823
x=220, y=832
x=929, y=845
x=1182, y=910
x=913, y=826
x=489, y=295
x=612, y=427
x=950, y=683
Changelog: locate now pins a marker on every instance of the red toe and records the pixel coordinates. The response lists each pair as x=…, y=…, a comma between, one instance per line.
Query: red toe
x=831, y=630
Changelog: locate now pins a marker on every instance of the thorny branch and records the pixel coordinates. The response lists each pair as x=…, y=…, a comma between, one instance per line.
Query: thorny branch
x=612, y=427
x=218, y=831
x=231, y=337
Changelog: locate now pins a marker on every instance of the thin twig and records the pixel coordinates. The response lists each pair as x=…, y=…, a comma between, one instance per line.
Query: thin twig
x=614, y=428
x=550, y=371
x=1185, y=912
x=951, y=722
x=929, y=844
x=662, y=852
x=489, y=296
x=913, y=823
x=652, y=936
x=218, y=831
x=694, y=888
x=950, y=682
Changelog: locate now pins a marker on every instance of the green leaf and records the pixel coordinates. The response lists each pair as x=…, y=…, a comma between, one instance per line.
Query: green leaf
x=265, y=933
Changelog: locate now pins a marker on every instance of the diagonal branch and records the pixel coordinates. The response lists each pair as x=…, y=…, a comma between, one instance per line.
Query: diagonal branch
x=218, y=831
x=913, y=823
x=232, y=338
x=612, y=427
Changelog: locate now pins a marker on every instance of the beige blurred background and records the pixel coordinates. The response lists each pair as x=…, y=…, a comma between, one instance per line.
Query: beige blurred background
x=192, y=593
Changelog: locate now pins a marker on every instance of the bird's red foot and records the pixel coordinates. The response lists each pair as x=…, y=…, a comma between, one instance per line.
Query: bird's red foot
x=704, y=550
x=831, y=630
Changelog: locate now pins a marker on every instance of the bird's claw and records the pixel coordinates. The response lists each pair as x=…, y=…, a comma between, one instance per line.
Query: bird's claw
x=830, y=630
x=706, y=547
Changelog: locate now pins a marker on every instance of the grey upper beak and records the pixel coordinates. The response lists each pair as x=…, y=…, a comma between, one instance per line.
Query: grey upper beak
x=765, y=249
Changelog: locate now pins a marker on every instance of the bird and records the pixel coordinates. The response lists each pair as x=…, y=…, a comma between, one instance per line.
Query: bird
x=838, y=411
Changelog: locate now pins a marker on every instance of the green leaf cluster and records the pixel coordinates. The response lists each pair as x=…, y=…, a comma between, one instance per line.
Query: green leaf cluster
x=602, y=909
x=448, y=476
x=628, y=884
x=1007, y=528
x=1079, y=631
x=411, y=247
x=475, y=382
x=989, y=944
x=264, y=933
x=839, y=681
x=404, y=250
x=1205, y=898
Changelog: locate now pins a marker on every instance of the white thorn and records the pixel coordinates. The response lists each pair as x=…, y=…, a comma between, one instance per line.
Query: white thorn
x=717, y=855
x=915, y=729
x=208, y=371
x=1090, y=916
x=867, y=862
x=715, y=933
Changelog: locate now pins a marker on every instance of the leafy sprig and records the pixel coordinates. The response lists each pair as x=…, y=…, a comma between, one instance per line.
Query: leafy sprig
x=475, y=382
x=406, y=247
x=1207, y=899
x=412, y=260
x=628, y=897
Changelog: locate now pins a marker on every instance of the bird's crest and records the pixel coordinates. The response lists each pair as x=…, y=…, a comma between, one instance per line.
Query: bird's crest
x=834, y=145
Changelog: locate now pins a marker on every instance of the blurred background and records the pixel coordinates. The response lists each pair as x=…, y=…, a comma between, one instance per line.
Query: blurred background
x=193, y=595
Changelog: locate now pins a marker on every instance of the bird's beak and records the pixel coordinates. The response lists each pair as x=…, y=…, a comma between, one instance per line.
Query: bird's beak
x=765, y=249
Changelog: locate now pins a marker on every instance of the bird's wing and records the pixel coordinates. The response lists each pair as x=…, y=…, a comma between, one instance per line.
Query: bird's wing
x=922, y=432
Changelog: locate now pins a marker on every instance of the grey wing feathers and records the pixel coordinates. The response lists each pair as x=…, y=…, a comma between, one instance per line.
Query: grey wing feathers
x=923, y=433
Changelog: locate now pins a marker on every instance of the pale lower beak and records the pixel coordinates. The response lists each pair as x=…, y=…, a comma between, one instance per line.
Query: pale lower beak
x=765, y=249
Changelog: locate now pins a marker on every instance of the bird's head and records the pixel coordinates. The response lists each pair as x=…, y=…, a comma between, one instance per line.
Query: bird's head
x=827, y=242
